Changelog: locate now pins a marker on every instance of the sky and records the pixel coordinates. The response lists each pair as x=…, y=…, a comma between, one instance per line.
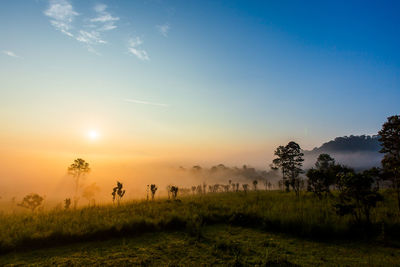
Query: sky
x=185, y=82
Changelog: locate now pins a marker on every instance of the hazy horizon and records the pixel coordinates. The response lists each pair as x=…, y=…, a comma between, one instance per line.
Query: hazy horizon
x=136, y=87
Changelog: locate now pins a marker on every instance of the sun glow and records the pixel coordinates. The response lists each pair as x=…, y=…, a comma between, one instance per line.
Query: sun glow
x=93, y=135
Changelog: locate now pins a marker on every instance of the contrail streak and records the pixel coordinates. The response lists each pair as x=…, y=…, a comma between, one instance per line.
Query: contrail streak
x=146, y=103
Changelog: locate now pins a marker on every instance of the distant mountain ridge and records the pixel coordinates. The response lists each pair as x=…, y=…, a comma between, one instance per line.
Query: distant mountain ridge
x=359, y=152
x=351, y=143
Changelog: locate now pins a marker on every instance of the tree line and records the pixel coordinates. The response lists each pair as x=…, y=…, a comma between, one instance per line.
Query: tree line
x=357, y=192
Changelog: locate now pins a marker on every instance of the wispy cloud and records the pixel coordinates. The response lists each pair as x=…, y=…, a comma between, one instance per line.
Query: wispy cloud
x=164, y=29
x=92, y=37
x=146, y=102
x=134, y=47
x=10, y=54
x=62, y=14
x=104, y=19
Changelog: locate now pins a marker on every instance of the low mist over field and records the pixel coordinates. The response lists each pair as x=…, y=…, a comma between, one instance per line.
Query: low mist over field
x=191, y=133
x=49, y=177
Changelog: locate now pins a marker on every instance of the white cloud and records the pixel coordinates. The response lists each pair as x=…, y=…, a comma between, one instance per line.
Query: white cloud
x=104, y=20
x=146, y=102
x=92, y=37
x=164, y=29
x=62, y=14
x=10, y=54
x=134, y=48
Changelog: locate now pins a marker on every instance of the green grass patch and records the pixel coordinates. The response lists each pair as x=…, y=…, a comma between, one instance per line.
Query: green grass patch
x=271, y=211
x=219, y=245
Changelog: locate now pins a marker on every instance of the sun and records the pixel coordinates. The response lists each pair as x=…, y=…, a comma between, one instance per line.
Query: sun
x=93, y=135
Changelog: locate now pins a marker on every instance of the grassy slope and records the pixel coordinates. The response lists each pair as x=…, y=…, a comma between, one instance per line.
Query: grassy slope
x=269, y=211
x=218, y=245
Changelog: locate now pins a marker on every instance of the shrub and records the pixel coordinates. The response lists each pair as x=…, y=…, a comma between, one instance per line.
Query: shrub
x=31, y=201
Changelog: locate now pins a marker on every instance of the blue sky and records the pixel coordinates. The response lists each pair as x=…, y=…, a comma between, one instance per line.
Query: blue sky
x=250, y=74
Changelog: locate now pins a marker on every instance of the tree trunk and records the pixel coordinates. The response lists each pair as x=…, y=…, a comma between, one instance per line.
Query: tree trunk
x=76, y=197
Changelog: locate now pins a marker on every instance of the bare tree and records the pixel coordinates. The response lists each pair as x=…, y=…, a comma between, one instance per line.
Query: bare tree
x=153, y=189
x=118, y=193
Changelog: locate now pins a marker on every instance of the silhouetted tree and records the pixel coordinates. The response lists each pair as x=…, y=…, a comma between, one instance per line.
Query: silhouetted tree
x=78, y=170
x=174, y=191
x=389, y=137
x=324, y=162
x=316, y=182
x=153, y=189
x=245, y=187
x=196, y=169
x=255, y=182
x=67, y=203
x=357, y=195
x=233, y=187
x=118, y=193
x=281, y=163
x=31, y=201
x=323, y=176
x=293, y=164
x=289, y=160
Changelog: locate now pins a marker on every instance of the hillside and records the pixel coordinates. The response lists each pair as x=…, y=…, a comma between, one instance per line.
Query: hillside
x=359, y=152
x=255, y=228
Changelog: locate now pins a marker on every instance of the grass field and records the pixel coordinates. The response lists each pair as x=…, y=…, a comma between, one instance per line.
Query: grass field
x=260, y=227
x=219, y=245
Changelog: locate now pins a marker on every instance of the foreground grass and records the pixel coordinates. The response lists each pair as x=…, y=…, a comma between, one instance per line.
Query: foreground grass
x=217, y=245
x=271, y=211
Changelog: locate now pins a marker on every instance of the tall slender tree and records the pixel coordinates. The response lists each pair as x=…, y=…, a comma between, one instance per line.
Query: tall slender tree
x=289, y=160
x=294, y=162
x=389, y=137
x=78, y=170
x=280, y=163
